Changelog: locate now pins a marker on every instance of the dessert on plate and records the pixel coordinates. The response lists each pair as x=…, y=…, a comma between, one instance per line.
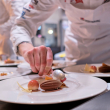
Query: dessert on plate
x=49, y=83
x=93, y=69
x=9, y=61
x=104, y=68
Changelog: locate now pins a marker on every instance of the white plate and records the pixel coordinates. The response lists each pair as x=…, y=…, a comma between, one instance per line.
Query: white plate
x=78, y=87
x=79, y=69
x=11, y=72
x=10, y=64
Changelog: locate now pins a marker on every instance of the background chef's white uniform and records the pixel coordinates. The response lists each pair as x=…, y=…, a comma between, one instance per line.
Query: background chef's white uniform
x=89, y=27
x=9, y=10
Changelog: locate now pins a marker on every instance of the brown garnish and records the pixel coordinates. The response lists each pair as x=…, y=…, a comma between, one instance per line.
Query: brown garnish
x=104, y=68
x=63, y=85
x=3, y=74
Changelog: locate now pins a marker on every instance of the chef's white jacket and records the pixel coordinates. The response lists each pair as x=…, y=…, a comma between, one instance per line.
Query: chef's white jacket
x=88, y=33
x=9, y=10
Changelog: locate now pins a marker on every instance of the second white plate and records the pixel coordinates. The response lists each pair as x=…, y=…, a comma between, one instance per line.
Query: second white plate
x=79, y=69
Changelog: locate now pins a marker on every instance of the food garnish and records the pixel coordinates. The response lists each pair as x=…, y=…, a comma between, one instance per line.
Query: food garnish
x=104, y=68
x=63, y=85
x=87, y=68
x=58, y=75
x=3, y=74
x=48, y=77
x=9, y=61
x=33, y=85
x=91, y=69
x=23, y=89
x=54, y=64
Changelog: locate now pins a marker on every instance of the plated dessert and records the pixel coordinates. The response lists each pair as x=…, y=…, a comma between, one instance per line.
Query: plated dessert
x=78, y=87
x=104, y=68
x=3, y=74
x=9, y=61
x=55, y=64
x=101, y=69
x=49, y=83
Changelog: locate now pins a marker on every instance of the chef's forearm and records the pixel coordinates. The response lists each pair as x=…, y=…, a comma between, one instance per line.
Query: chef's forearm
x=23, y=47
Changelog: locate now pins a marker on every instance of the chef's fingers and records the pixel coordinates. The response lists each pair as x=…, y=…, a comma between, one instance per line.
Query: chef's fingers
x=37, y=58
x=49, y=60
x=43, y=54
x=31, y=60
x=50, y=72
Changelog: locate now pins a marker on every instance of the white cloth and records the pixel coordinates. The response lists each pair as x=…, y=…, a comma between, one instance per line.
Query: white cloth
x=9, y=10
x=88, y=32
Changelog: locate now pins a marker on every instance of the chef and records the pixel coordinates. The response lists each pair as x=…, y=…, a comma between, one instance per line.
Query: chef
x=9, y=10
x=88, y=33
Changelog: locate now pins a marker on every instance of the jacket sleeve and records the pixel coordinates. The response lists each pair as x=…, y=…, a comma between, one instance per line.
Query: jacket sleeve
x=33, y=14
x=14, y=9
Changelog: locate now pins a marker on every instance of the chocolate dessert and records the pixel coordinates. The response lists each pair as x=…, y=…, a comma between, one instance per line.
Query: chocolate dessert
x=104, y=68
x=50, y=85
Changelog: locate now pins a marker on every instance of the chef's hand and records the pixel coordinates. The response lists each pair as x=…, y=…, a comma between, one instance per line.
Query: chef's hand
x=40, y=58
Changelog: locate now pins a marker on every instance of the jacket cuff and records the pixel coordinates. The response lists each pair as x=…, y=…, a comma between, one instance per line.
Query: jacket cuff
x=18, y=41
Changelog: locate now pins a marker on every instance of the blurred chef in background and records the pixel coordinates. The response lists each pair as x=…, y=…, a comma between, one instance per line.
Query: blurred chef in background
x=88, y=33
x=9, y=10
